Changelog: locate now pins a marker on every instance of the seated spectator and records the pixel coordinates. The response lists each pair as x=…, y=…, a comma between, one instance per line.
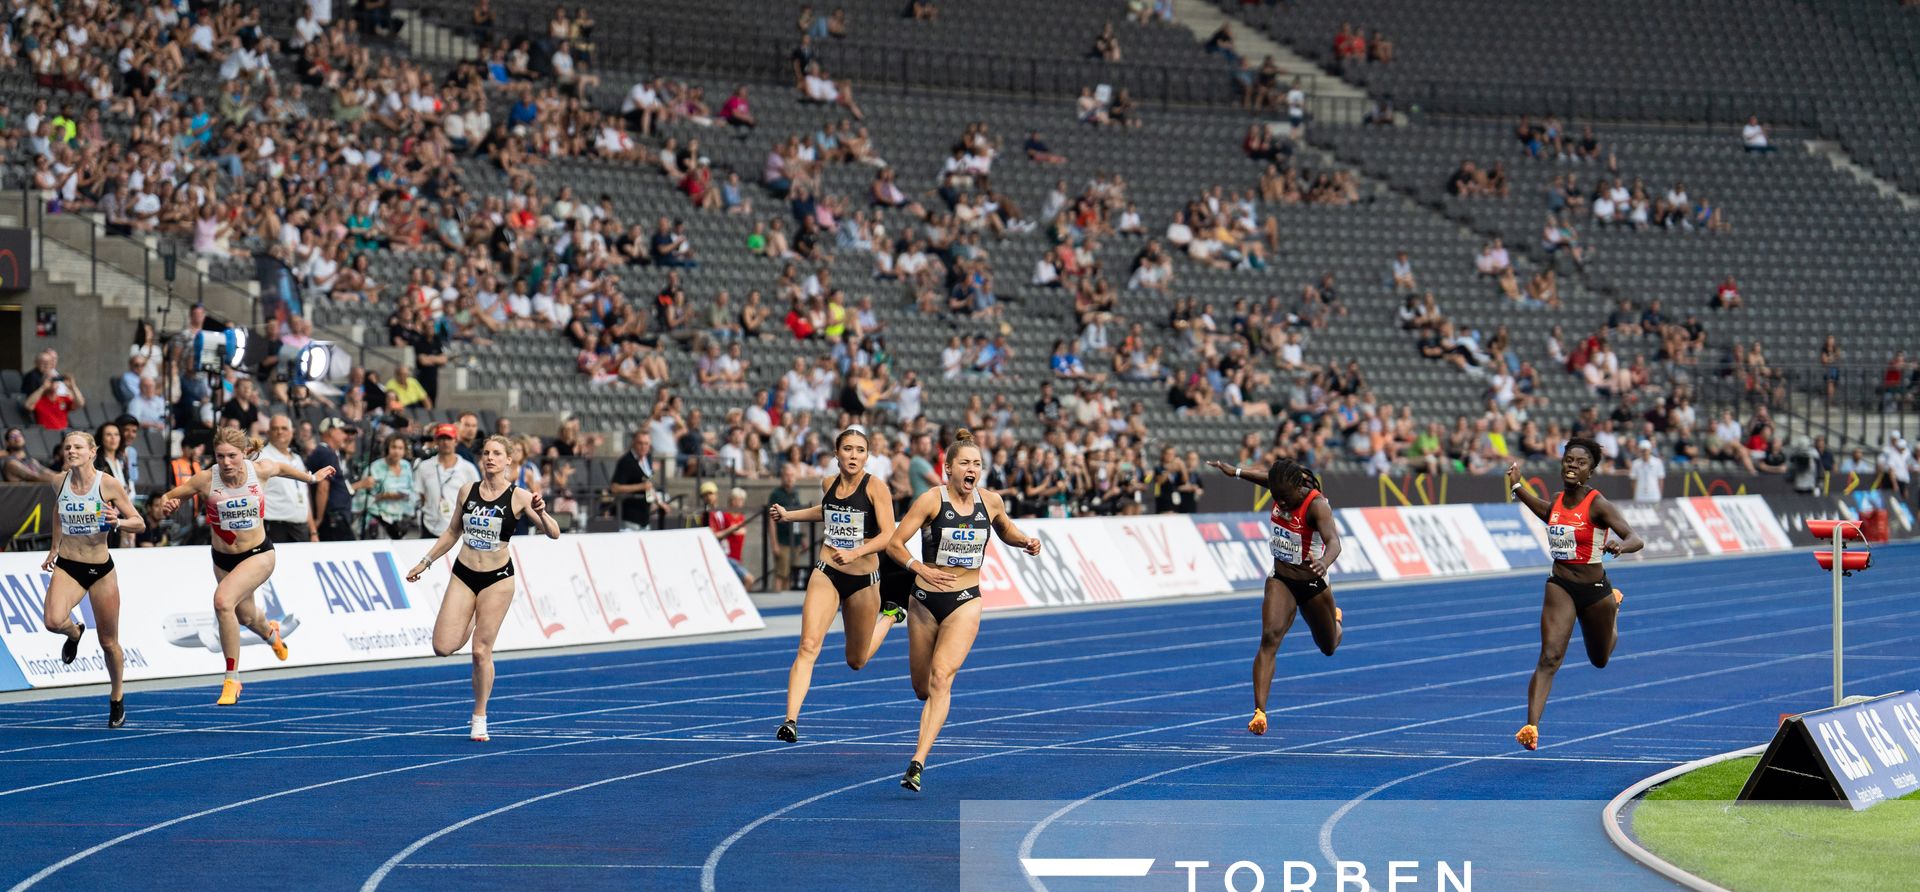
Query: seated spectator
x=1755, y=136
x=1038, y=151
x=820, y=88
x=737, y=112
x=1726, y=296
x=1106, y=46
x=1403, y=273
x=1090, y=110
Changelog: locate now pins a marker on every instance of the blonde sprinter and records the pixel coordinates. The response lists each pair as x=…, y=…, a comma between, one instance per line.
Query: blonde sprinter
x=242, y=557
x=955, y=519
x=858, y=511
x=92, y=506
x=482, y=585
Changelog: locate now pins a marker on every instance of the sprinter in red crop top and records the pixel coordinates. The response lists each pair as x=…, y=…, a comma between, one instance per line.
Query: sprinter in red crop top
x=1579, y=521
x=1305, y=542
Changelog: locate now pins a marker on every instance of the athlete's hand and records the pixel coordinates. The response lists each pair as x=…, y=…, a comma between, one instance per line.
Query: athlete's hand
x=1223, y=468
x=934, y=575
x=840, y=557
x=1513, y=474
x=1032, y=548
x=323, y=474
x=539, y=504
x=1612, y=548
x=167, y=506
x=110, y=511
x=777, y=513
x=46, y=566
x=419, y=570
x=1318, y=566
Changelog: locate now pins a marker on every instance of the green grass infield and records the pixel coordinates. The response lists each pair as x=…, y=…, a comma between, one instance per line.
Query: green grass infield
x=1693, y=822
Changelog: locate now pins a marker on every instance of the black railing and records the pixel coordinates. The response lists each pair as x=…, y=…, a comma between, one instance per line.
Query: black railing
x=634, y=46
x=1812, y=111
x=1848, y=405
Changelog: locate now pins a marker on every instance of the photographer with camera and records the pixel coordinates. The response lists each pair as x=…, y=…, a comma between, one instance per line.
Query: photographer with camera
x=54, y=398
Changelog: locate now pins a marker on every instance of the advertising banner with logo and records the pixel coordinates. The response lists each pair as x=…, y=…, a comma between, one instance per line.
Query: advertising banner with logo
x=1520, y=536
x=1735, y=524
x=348, y=602
x=1426, y=540
x=1098, y=560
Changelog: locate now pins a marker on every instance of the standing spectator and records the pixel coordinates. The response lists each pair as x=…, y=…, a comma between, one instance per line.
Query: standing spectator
x=333, y=497
x=288, y=508
x=1895, y=465
x=786, y=536
x=632, y=484
x=1648, y=472
x=389, y=484
x=437, y=481
x=729, y=526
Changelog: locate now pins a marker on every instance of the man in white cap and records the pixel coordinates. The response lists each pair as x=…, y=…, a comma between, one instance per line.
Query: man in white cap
x=1649, y=471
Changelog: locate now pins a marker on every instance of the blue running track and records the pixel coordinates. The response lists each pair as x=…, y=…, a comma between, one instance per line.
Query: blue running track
x=657, y=769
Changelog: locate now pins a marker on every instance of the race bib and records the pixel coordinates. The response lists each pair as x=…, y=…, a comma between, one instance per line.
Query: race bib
x=965, y=549
x=1286, y=545
x=846, y=529
x=483, y=532
x=239, y=515
x=1562, y=542
x=80, y=517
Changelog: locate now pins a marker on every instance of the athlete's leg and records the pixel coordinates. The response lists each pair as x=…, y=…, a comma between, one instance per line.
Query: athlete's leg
x=860, y=621
x=951, y=642
x=488, y=614
x=233, y=604
x=922, y=634
x=1276, y=617
x=1556, y=629
x=454, y=623
x=106, y=624
x=816, y=616
x=63, y=594
x=1600, y=629
x=1323, y=620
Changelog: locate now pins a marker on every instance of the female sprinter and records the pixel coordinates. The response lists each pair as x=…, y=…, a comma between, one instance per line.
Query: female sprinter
x=481, y=589
x=858, y=510
x=952, y=521
x=1578, y=521
x=242, y=557
x=1305, y=543
x=93, y=506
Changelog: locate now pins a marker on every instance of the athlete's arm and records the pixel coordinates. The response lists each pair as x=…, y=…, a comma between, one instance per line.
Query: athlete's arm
x=809, y=514
x=443, y=544
x=53, y=551
x=917, y=515
x=882, y=497
x=1320, y=513
x=1524, y=496
x=268, y=469
x=1605, y=515
x=1010, y=534
x=126, y=518
x=1255, y=476
x=535, y=507
x=193, y=486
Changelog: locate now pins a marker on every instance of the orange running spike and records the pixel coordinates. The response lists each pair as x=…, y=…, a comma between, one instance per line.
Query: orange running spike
x=1529, y=737
x=229, y=693
x=1259, y=723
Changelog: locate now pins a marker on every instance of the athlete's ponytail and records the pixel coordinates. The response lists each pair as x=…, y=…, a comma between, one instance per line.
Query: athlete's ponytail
x=1286, y=475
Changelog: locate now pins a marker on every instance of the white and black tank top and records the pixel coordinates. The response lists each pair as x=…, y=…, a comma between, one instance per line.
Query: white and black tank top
x=82, y=514
x=849, y=518
x=955, y=537
x=487, y=524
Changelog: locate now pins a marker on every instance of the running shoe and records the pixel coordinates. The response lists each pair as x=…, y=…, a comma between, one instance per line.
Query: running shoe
x=116, y=713
x=273, y=638
x=229, y=692
x=789, y=731
x=478, y=734
x=71, y=650
x=1338, y=616
x=912, y=779
x=1529, y=737
x=894, y=612
x=1259, y=723
x=1619, y=597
